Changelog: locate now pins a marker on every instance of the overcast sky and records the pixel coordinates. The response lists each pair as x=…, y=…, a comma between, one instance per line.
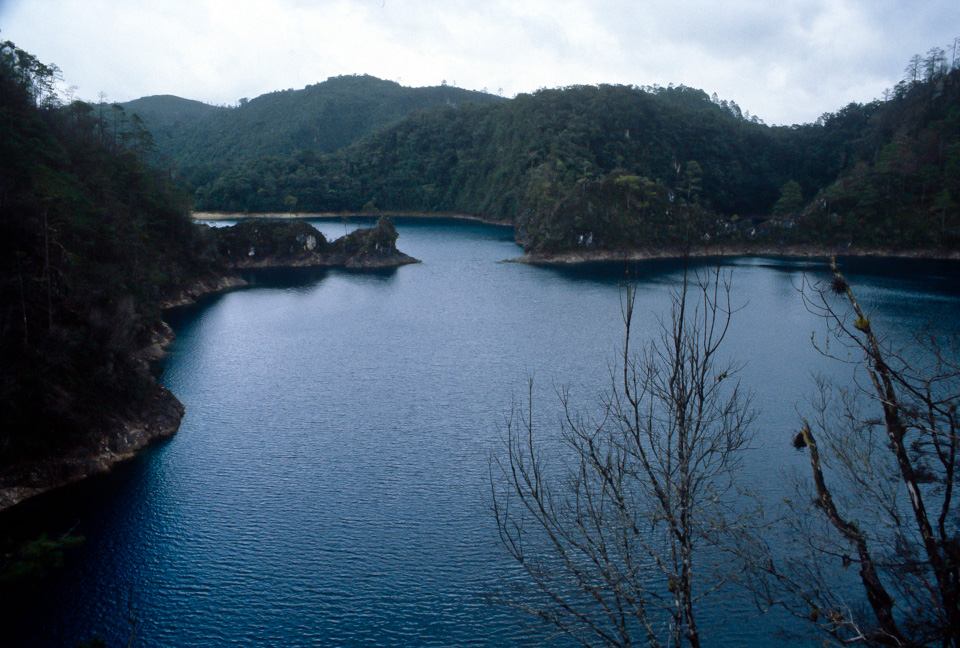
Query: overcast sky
x=787, y=61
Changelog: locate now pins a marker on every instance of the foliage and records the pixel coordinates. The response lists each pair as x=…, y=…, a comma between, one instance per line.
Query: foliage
x=268, y=239
x=883, y=173
x=26, y=567
x=476, y=158
x=203, y=141
x=900, y=185
x=791, y=199
x=90, y=236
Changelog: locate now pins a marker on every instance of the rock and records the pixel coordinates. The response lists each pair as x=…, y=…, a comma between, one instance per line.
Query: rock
x=284, y=244
x=122, y=439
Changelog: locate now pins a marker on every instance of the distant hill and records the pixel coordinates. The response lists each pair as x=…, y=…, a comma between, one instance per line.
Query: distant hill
x=200, y=139
x=617, y=167
x=169, y=110
x=592, y=166
x=486, y=159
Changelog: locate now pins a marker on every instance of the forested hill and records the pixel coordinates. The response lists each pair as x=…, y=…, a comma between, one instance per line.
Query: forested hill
x=481, y=159
x=90, y=237
x=93, y=238
x=615, y=167
x=201, y=139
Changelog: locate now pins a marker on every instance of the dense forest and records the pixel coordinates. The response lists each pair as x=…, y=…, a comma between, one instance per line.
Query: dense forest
x=93, y=238
x=203, y=141
x=595, y=167
x=91, y=235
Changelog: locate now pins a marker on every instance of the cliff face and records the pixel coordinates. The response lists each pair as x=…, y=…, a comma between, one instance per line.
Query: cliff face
x=125, y=427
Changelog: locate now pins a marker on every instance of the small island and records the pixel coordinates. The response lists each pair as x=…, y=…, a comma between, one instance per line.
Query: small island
x=265, y=243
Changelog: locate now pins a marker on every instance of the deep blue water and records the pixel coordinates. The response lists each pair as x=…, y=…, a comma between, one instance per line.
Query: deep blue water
x=330, y=482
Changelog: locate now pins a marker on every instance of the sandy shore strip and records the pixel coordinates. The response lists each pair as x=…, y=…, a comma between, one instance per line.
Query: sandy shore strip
x=221, y=216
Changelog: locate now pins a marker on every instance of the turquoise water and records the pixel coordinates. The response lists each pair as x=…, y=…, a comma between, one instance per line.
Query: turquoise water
x=330, y=482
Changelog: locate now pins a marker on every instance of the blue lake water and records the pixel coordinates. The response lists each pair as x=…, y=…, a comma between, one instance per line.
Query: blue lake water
x=330, y=482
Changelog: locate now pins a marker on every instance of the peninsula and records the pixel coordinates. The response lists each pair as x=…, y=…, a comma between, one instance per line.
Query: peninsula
x=124, y=428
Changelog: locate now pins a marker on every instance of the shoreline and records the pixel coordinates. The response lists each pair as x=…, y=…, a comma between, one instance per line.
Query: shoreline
x=202, y=217
x=570, y=257
x=124, y=435
x=809, y=251
x=160, y=417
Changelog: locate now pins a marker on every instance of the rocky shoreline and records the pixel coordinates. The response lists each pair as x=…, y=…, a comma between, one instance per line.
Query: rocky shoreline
x=158, y=415
x=123, y=436
x=811, y=251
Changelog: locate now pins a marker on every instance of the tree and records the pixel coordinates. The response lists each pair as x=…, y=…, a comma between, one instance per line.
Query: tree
x=692, y=180
x=912, y=71
x=36, y=78
x=935, y=65
x=883, y=466
x=944, y=203
x=610, y=543
x=142, y=139
x=791, y=199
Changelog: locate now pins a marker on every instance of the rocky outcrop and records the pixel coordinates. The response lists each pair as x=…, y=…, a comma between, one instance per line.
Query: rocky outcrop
x=156, y=416
x=255, y=244
x=187, y=294
x=375, y=247
x=278, y=243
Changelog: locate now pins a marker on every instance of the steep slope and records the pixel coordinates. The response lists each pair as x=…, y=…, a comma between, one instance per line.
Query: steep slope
x=901, y=182
x=90, y=237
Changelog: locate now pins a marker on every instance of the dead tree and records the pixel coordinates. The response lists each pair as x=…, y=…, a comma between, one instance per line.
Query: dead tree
x=608, y=538
x=869, y=553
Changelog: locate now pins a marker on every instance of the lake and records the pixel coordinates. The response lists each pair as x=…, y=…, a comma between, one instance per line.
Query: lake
x=330, y=482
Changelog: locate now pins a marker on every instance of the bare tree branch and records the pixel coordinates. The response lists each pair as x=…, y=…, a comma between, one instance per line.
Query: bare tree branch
x=610, y=543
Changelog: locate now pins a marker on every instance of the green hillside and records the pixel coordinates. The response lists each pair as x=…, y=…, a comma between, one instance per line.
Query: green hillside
x=202, y=140
x=616, y=167
x=898, y=180
x=480, y=159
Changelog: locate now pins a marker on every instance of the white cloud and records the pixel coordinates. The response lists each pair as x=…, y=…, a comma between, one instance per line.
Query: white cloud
x=787, y=61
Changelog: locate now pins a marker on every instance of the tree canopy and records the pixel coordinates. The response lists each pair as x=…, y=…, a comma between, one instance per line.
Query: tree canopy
x=556, y=163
